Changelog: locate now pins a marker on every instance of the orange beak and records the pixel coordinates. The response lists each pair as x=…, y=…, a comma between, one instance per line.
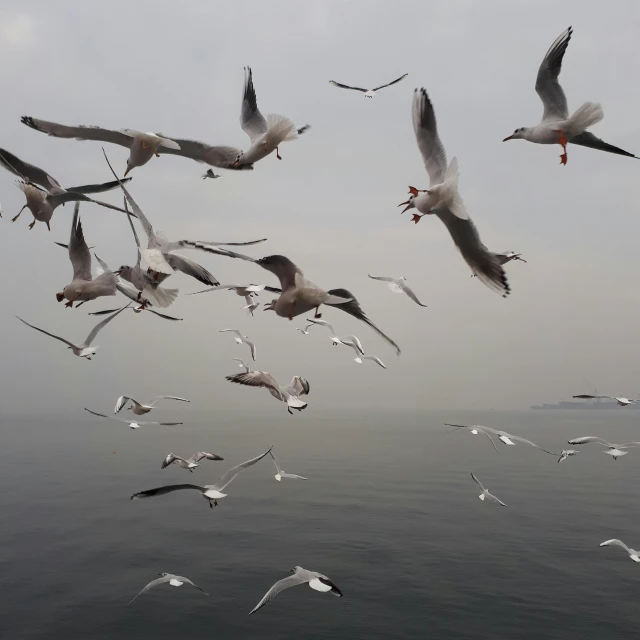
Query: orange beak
x=408, y=202
x=507, y=138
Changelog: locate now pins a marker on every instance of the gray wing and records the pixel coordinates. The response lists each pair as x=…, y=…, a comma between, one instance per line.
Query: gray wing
x=191, y=268
x=235, y=471
x=51, y=335
x=81, y=132
x=383, y=278
x=201, y=455
x=481, y=261
x=487, y=435
x=587, y=139
x=97, y=188
x=153, y=583
x=79, y=253
x=587, y=439
x=281, y=585
x=251, y=120
x=164, y=316
x=72, y=196
x=382, y=86
x=586, y=396
x=221, y=157
x=411, y=294
x=495, y=499
x=478, y=482
x=257, y=379
x=275, y=461
x=298, y=386
x=547, y=85
x=426, y=129
x=94, y=332
x=28, y=172
x=169, y=398
x=161, y=491
x=532, y=444
x=346, y=86
x=193, y=584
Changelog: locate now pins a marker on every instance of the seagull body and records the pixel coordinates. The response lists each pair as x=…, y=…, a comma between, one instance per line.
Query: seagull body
x=485, y=495
x=316, y=581
x=622, y=402
x=189, y=463
x=633, y=554
x=368, y=93
x=265, y=134
x=85, y=350
x=503, y=436
x=289, y=394
x=83, y=287
x=133, y=424
x=613, y=450
x=280, y=471
x=211, y=492
x=173, y=580
x=398, y=285
x=142, y=146
x=444, y=200
x=557, y=126
x=567, y=453
x=241, y=339
x=140, y=408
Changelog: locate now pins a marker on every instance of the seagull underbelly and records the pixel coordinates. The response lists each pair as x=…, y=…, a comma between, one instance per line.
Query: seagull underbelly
x=156, y=261
x=213, y=494
x=318, y=585
x=175, y=583
x=616, y=453
x=289, y=305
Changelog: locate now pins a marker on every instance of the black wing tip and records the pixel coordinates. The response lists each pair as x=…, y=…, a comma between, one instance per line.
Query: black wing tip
x=30, y=122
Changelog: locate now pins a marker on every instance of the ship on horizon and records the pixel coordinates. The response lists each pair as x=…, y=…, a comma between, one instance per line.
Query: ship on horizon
x=584, y=406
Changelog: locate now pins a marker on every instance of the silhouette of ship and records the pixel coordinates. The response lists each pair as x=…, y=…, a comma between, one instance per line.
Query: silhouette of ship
x=584, y=405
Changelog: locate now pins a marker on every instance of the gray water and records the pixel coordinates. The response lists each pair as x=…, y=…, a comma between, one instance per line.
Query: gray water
x=389, y=513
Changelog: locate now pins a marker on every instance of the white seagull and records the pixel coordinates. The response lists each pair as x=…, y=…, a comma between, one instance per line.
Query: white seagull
x=398, y=285
x=280, y=471
x=143, y=146
x=134, y=424
x=356, y=345
x=211, y=492
x=265, y=135
x=557, y=127
x=189, y=463
x=85, y=350
x=475, y=429
x=622, y=401
x=139, y=408
x=173, y=580
x=247, y=291
x=243, y=365
x=614, y=450
x=241, y=339
x=368, y=93
x=317, y=581
x=289, y=394
x=443, y=200
x=633, y=554
x=485, y=495
x=503, y=436
x=567, y=453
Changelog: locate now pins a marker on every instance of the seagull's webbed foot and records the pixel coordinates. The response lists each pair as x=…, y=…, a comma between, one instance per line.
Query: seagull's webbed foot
x=278, y=154
x=414, y=192
x=562, y=141
x=416, y=218
x=69, y=305
x=32, y=225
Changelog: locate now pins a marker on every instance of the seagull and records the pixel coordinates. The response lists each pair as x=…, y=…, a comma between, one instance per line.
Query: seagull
x=316, y=581
x=158, y=253
x=265, y=135
x=475, y=430
x=397, y=285
x=280, y=471
x=85, y=350
x=173, y=580
x=567, y=453
x=289, y=394
x=356, y=345
x=368, y=93
x=332, y=332
x=210, y=174
x=614, y=450
x=134, y=424
x=143, y=146
x=243, y=365
x=304, y=331
x=633, y=554
x=622, y=402
x=244, y=291
x=485, y=495
x=557, y=127
x=189, y=463
x=211, y=492
x=240, y=339
x=82, y=287
x=139, y=408
x=503, y=436
x=443, y=200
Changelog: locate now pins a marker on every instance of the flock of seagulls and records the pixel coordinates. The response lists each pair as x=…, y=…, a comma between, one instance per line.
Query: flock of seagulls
x=143, y=283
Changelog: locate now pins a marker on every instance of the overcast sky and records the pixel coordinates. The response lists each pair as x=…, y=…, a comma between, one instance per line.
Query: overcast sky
x=331, y=204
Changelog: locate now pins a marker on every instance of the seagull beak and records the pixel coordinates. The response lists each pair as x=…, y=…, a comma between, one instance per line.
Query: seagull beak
x=507, y=138
x=408, y=202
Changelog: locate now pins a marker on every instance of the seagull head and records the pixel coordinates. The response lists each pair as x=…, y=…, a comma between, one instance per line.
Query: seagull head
x=518, y=133
x=60, y=296
x=409, y=204
x=163, y=574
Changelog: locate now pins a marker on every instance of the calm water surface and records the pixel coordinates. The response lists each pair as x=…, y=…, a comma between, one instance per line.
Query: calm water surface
x=389, y=513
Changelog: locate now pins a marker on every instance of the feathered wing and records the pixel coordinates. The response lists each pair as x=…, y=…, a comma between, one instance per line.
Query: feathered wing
x=346, y=86
x=160, y=491
x=51, y=335
x=79, y=253
x=251, y=120
x=97, y=188
x=153, y=583
x=281, y=585
x=81, y=132
x=94, y=332
x=588, y=439
x=202, y=455
x=382, y=86
x=191, y=268
x=299, y=386
x=411, y=294
x=425, y=127
x=587, y=139
x=122, y=400
x=548, y=88
x=230, y=475
x=222, y=157
x=615, y=542
x=478, y=482
x=257, y=379
x=28, y=172
x=168, y=398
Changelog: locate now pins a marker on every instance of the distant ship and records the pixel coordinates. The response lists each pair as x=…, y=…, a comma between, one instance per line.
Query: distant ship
x=584, y=405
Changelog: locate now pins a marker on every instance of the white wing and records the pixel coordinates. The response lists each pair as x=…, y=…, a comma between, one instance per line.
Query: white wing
x=429, y=143
x=411, y=294
x=122, y=400
x=281, y=585
x=275, y=460
x=154, y=583
x=322, y=323
x=615, y=542
x=258, y=379
x=235, y=471
x=101, y=325
x=493, y=498
x=375, y=359
x=252, y=346
x=168, y=398
x=478, y=482
x=587, y=439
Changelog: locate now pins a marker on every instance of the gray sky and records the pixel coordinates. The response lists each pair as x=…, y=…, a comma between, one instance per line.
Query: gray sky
x=331, y=204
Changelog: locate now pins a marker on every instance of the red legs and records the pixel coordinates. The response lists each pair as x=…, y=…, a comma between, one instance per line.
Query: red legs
x=318, y=314
x=562, y=140
x=278, y=154
x=416, y=218
x=293, y=306
x=69, y=305
x=414, y=192
x=19, y=212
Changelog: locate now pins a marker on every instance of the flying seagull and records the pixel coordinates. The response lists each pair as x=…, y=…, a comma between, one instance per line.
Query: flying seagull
x=243, y=365
x=622, y=401
x=189, y=463
x=557, y=127
x=289, y=394
x=134, y=424
x=503, y=436
x=317, y=581
x=211, y=492
x=443, y=200
x=241, y=339
x=613, y=450
x=265, y=134
x=85, y=350
x=244, y=291
x=567, y=453
x=140, y=408
x=173, y=580
x=83, y=287
x=280, y=471
x=143, y=146
x=368, y=93
x=485, y=495
x=633, y=554
x=398, y=285
x=475, y=429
